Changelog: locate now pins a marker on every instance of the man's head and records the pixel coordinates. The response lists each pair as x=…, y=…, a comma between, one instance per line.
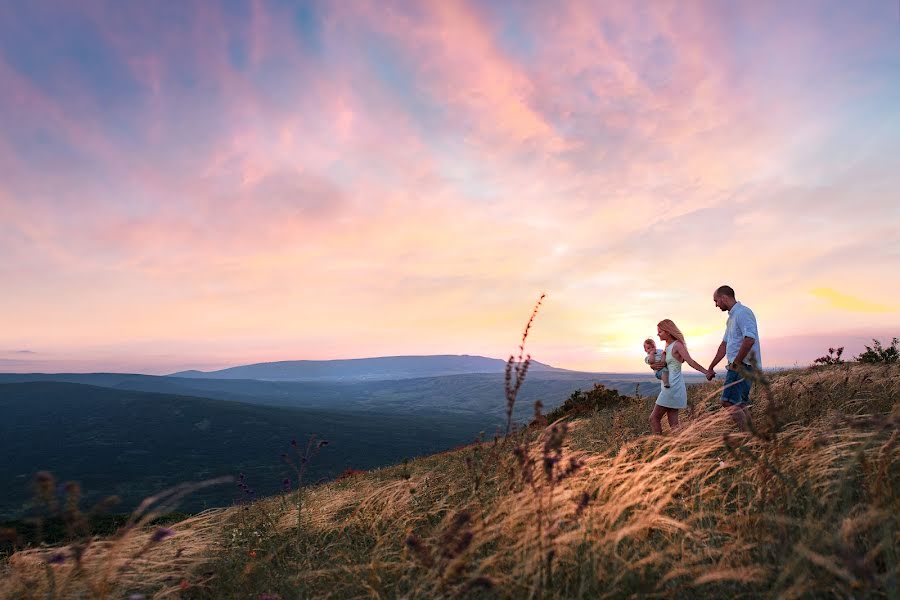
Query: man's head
x=649, y=346
x=724, y=297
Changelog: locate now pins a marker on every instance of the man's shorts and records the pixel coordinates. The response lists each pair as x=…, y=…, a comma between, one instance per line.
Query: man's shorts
x=738, y=393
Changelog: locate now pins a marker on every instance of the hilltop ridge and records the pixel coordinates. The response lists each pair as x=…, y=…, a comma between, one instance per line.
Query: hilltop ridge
x=382, y=367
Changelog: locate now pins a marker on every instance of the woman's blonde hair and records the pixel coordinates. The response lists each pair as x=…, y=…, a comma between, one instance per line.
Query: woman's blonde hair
x=671, y=328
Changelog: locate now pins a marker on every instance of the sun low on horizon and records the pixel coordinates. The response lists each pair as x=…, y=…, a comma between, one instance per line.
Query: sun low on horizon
x=198, y=185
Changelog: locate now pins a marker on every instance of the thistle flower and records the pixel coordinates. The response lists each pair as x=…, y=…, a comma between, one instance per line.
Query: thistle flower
x=160, y=534
x=57, y=558
x=420, y=549
x=583, y=500
x=462, y=543
x=44, y=485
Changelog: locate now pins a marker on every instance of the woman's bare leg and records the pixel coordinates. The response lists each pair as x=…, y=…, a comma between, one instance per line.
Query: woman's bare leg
x=656, y=418
x=672, y=415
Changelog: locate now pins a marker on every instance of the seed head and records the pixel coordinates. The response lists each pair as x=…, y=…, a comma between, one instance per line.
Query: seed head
x=420, y=549
x=160, y=534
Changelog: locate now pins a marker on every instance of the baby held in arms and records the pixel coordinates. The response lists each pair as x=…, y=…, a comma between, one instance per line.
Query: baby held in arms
x=654, y=355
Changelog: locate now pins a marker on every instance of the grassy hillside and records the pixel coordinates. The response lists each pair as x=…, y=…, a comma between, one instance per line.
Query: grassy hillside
x=805, y=506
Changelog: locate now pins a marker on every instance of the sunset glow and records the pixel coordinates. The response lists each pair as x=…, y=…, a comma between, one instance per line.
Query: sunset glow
x=201, y=185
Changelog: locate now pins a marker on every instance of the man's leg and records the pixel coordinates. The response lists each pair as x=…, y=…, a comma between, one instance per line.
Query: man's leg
x=735, y=396
x=738, y=413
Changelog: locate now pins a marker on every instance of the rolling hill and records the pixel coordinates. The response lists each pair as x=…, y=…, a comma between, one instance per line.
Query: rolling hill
x=134, y=444
x=361, y=369
x=476, y=393
x=133, y=435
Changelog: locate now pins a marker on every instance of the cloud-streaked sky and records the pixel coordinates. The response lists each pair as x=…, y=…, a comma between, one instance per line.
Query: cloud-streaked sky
x=202, y=184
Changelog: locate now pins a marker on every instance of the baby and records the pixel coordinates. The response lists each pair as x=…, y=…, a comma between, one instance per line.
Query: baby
x=654, y=355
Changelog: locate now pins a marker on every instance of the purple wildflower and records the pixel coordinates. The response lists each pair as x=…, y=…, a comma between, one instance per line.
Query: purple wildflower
x=160, y=534
x=57, y=558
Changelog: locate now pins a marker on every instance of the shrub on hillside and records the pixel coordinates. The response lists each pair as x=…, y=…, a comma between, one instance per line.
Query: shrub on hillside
x=832, y=358
x=580, y=402
x=876, y=353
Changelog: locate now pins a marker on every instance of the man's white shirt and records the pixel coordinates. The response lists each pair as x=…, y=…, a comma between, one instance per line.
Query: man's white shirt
x=741, y=323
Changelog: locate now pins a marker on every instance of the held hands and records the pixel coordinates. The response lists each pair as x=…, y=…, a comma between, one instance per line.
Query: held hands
x=710, y=374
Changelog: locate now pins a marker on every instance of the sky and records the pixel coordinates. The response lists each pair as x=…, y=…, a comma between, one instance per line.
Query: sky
x=207, y=184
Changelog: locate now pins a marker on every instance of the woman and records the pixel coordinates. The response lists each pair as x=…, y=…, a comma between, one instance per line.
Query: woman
x=673, y=398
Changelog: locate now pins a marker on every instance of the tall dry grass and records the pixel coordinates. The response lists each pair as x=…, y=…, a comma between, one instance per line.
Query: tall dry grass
x=804, y=506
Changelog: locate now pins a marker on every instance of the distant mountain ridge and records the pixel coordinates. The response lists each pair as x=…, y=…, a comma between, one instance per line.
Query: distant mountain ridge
x=479, y=394
x=362, y=369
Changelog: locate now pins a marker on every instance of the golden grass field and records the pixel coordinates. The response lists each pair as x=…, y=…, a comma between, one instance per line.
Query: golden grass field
x=805, y=506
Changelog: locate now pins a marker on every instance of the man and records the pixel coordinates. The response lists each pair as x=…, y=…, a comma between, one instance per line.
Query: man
x=741, y=346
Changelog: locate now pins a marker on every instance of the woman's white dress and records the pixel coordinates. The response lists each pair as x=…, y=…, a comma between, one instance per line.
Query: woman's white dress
x=675, y=396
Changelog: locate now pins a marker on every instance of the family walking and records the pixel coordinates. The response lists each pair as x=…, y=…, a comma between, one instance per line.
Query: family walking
x=740, y=345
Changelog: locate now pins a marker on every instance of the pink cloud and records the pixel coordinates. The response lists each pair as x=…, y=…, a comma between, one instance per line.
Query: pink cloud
x=421, y=168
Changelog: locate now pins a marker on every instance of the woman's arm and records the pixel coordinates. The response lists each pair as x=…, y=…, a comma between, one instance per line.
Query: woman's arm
x=681, y=352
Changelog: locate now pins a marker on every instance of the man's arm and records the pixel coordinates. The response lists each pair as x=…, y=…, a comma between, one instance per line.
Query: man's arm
x=720, y=354
x=746, y=324
x=746, y=344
